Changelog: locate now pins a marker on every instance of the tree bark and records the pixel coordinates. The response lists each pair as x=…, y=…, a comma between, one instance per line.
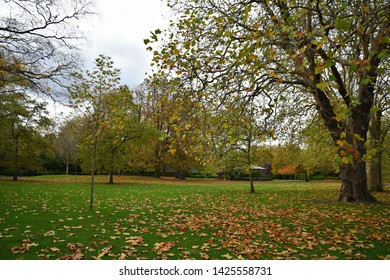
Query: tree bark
x=181, y=175
x=157, y=173
x=252, y=189
x=374, y=175
x=376, y=140
x=92, y=175
x=16, y=160
x=111, y=175
x=354, y=183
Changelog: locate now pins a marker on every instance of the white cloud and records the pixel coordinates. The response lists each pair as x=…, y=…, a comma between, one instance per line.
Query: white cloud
x=119, y=32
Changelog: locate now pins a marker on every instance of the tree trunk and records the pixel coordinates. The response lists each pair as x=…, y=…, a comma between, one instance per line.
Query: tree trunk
x=375, y=141
x=181, y=175
x=111, y=171
x=374, y=175
x=252, y=190
x=67, y=167
x=92, y=175
x=16, y=162
x=111, y=175
x=157, y=170
x=221, y=176
x=354, y=183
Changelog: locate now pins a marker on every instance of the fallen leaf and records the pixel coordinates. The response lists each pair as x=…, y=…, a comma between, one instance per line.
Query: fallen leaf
x=161, y=247
x=55, y=249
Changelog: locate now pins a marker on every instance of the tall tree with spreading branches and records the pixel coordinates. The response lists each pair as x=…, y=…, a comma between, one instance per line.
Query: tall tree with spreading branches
x=330, y=52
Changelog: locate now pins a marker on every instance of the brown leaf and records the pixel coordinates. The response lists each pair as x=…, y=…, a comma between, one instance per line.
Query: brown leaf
x=162, y=247
x=19, y=249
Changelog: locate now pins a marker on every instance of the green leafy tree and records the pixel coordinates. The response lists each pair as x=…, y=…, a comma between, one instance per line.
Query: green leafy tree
x=217, y=142
x=155, y=102
x=175, y=123
x=122, y=126
x=23, y=120
x=246, y=137
x=331, y=53
x=317, y=153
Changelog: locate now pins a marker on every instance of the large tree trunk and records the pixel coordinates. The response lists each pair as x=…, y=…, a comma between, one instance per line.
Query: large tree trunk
x=375, y=141
x=374, y=175
x=354, y=183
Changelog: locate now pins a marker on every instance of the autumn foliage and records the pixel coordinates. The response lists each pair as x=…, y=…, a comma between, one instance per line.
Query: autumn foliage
x=287, y=170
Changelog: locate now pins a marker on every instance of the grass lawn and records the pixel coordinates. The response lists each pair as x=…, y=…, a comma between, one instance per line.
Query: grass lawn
x=145, y=218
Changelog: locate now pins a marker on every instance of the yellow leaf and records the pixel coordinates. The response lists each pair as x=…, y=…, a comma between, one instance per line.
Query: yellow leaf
x=358, y=137
x=55, y=249
x=251, y=58
x=341, y=143
x=229, y=257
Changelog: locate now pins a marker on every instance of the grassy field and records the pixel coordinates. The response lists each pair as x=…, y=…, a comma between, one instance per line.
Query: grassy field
x=145, y=218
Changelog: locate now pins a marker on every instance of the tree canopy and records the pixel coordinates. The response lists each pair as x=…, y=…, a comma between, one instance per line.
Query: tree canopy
x=329, y=53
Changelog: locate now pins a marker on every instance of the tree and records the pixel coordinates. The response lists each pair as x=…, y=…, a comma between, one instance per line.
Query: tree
x=66, y=142
x=386, y=160
x=39, y=41
x=91, y=95
x=122, y=126
x=331, y=53
x=378, y=129
x=217, y=141
x=285, y=159
x=247, y=131
x=174, y=125
x=22, y=119
x=317, y=153
x=154, y=100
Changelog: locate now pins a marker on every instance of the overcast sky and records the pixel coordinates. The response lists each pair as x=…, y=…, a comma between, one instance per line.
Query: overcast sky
x=119, y=30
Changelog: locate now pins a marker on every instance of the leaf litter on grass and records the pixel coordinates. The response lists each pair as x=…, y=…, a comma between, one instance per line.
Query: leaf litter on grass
x=191, y=221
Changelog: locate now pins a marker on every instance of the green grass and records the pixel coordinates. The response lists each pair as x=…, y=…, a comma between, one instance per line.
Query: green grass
x=48, y=217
